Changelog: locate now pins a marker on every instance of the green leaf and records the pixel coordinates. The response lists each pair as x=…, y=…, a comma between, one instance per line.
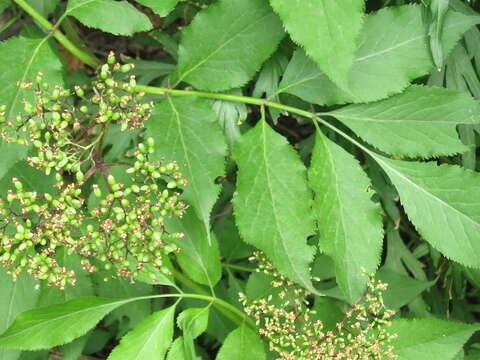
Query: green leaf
x=25, y=58
x=272, y=207
x=443, y=202
x=4, y=4
x=242, y=343
x=328, y=311
x=303, y=78
x=194, y=321
x=177, y=351
x=250, y=33
x=51, y=326
x=44, y=7
x=393, y=51
x=326, y=29
x=198, y=258
x=115, y=17
x=160, y=7
x=131, y=314
x=438, y=9
x=230, y=115
x=429, y=338
x=150, y=340
x=231, y=245
x=401, y=289
x=15, y=297
x=351, y=229
x=74, y=349
x=186, y=130
x=269, y=78
x=421, y=122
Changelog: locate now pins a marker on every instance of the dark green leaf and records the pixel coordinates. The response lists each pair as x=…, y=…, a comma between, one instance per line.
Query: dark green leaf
x=349, y=222
x=215, y=60
x=272, y=207
x=242, y=343
x=149, y=340
x=51, y=326
x=116, y=17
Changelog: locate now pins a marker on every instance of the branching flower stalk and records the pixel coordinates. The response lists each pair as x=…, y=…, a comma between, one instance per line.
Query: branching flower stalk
x=293, y=331
x=121, y=227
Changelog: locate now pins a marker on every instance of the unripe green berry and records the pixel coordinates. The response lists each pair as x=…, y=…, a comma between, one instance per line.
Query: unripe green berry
x=79, y=176
x=111, y=179
x=125, y=68
x=79, y=91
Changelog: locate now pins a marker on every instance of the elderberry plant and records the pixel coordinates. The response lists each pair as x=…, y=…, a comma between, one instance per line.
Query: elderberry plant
x=67, y=129
x=337, y=137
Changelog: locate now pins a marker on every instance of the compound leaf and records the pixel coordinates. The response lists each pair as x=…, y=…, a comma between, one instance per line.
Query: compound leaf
x=149, y=340
x=186, y=130
x=393, y=51
x=115, y=17
x=55, y=325
x=272, y=206
x=242, y=343
x=326, y=29
x=215, y=60
x=349, y=222
x=429, y=338
x=443, y=202
x=421, y=122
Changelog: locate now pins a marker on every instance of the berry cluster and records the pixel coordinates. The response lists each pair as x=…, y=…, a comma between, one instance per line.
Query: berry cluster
x=128, y=229
x=290, y=326
x=124, y=229
x=66, y=127
x=124, y=232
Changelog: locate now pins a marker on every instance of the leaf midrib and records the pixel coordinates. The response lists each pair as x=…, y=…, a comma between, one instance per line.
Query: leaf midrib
x=274, y=212
x=409, y=121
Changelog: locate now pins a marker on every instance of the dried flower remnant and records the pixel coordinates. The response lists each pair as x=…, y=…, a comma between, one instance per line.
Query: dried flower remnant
x=288, y=323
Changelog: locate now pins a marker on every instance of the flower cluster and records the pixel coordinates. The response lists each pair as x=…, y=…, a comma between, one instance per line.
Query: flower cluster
x=290, y=326
x=122, y=225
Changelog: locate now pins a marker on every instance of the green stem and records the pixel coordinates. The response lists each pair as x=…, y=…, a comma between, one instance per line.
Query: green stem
x=225, y=97
x=238, y=267
x=227, y=310
x=10, y=22
x=62, y=39
x=237, y=316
